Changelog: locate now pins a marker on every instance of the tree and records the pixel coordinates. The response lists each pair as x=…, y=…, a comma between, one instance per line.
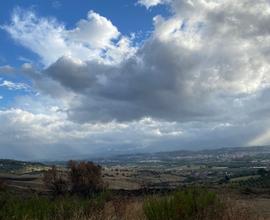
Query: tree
x=55, y=181
x=85, y=177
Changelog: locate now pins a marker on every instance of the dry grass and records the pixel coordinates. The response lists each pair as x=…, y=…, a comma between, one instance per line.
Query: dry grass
x=126, y=209
x=239, y=210
x=116, y=208
x=199, y=204
x=132, y=209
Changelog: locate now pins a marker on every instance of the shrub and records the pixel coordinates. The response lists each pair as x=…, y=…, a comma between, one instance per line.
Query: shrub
x=82, y=178
x=55, y=181
x=2, y=184
x=61, y=208
x=189, y=204
x=85, y=178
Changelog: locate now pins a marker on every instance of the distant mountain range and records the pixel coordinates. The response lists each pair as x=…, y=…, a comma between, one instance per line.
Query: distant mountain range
x=7, y=165
x=182, y=156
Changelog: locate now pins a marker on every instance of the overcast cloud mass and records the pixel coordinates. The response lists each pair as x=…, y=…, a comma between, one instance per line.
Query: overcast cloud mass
x=200, y=79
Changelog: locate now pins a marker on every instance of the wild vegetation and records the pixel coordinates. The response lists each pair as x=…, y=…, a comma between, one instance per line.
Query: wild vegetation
x=186, y=204
x=2, y=185
x=34, y=207
x=85, y=178
x=81, y=178
x=80, y=193
x=196, y=204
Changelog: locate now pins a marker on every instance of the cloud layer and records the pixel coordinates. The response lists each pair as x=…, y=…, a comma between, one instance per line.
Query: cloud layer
x=200, y=80
x=196, y=67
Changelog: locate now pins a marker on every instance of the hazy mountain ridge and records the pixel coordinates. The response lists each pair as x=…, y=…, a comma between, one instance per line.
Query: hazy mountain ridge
x=170, y=156
x=8, y=165
x=184, y=155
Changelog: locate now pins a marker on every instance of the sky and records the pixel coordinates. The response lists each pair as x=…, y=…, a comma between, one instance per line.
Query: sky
x=92, y=78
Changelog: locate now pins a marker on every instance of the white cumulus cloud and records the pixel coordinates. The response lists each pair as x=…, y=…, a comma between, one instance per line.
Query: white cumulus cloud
x=94, y=38
x=151, y=3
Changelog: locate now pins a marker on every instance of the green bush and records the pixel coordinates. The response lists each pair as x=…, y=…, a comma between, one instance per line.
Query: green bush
x=43, y=208
x=188, y=204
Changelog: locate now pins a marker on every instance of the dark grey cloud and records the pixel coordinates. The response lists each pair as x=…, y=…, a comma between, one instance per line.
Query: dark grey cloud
x=159, y=82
